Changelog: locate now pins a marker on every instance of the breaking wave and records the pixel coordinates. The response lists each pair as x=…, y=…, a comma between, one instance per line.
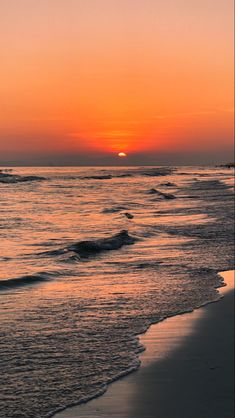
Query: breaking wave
x=85, y=249
x=6, y=177
x=25, y=280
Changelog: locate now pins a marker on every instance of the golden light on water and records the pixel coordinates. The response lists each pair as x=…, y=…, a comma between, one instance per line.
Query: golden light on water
x=122, y=154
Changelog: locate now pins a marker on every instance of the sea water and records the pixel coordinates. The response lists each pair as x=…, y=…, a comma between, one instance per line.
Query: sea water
x=71, y=312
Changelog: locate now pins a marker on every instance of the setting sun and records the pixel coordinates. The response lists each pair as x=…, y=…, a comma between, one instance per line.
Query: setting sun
x=116, y=178
x=94, y=80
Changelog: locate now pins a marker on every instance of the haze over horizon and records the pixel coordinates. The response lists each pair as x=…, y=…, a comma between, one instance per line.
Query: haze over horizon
x=81, y=81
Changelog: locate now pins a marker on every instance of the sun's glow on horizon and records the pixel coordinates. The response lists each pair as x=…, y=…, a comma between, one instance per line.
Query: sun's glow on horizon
x=86, y=88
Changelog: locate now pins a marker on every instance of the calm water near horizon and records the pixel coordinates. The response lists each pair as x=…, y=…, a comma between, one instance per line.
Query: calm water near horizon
x=71, y=312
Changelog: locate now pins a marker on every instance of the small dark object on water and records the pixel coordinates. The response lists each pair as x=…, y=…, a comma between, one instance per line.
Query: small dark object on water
x=129, y=215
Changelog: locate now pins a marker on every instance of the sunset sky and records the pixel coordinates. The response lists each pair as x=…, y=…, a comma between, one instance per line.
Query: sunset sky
x=82, y=80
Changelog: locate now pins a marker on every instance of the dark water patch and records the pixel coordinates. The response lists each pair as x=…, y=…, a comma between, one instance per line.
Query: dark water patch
x=184, y=174
x=194, y=174
x=128, y=215
x=156, y=172
x=114, y=209
x=207, y=185
x=98, y=176
x=87, y=248
x=5, y=258
x=210, y=190
x=25, y=280
x=228, y=165
x=161, y=194
x=189, y=197
x=168, y=184
x=124, y=175
x=207, y=231
x=8, y=178
x=56, y=252
x=218, y=196
x=104, y=177
x=146, y=265
x=152, y=191
x=137, y=265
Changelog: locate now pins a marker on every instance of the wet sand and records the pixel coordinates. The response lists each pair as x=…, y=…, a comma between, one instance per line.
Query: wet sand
x=187, y=369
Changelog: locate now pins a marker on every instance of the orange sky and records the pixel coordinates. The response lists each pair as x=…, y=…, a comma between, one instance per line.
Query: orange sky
x=86, y=77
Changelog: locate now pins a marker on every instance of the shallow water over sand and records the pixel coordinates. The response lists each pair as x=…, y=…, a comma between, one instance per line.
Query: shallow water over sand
x=69, y=320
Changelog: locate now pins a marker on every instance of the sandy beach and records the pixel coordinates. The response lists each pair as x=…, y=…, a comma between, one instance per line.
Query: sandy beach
x=117, y=208
x=187, y=370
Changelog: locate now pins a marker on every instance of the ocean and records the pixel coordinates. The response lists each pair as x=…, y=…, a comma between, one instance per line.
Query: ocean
x=90, y=258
